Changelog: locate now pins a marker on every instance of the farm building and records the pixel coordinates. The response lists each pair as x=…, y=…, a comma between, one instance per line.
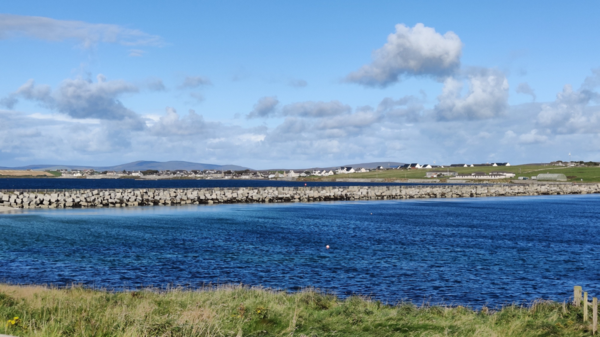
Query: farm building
x=552, y=176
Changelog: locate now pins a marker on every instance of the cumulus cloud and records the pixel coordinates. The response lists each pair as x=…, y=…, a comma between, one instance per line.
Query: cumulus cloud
x=592, y=82
x=487, y=97
x=191, y=82
x=570, y=112
x=532, y=137
x=316, y=109
x=155, y=84
x=265, y=107
x=191, y=124
x=360, y=119
x=524, y=88
x=416, y=51
x=297, y=83
x=88, y=34
x=197, y=96
x=80, y=99
x=9, y=102
x=408, y=108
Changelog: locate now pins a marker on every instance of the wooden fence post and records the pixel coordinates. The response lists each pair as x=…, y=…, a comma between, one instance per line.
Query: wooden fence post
x=594, y=315
x=577, y=295
x=585, y=306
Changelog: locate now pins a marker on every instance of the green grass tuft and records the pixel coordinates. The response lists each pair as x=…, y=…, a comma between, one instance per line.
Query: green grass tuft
x=243, y=311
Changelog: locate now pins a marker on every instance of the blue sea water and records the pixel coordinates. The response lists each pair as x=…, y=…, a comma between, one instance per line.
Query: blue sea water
x=490, y=251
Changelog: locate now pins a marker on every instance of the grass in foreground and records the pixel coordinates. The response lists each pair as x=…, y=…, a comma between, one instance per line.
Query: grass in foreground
x=237, y=311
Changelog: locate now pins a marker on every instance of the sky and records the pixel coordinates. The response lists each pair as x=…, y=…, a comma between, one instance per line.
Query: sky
x=282, y=84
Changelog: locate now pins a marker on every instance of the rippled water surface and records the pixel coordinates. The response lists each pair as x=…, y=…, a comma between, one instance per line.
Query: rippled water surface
x=462, y=251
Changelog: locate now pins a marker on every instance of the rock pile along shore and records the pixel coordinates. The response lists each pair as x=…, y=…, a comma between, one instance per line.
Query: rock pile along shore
x=148, y=197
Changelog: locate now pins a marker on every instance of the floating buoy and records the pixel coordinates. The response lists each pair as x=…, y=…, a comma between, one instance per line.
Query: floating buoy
x=371, y=213
x=327, y=246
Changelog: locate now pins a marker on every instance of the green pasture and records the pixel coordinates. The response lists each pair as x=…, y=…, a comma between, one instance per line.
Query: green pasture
x=574, y=174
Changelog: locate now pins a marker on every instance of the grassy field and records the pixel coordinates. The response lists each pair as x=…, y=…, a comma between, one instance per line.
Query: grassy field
x=24, y=173
x=574, y=174
x=55, y=173
x=236, y=311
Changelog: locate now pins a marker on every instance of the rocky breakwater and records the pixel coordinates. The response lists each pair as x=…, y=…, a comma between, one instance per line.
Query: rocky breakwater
x=156, y=197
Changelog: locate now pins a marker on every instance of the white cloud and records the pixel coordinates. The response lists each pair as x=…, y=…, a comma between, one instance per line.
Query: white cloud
x=265, y=107
x=315, y=109
x=524, y=88
x=194, y=82
x=571, y=112
x=191, y=124
x=197, y=96
x=533, y=137
x=417, y=51
x=81, y=98
x=487, y=97
x=406, y=109
x=88, y=34
x=155, y=84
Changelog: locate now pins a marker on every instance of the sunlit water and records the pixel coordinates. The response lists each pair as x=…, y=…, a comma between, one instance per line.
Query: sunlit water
x=461, y=251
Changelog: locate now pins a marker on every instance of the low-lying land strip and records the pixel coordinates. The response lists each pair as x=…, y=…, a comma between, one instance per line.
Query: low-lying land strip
x=153, y=197
x=239, y=311
x=574, y=174
x=24, y=173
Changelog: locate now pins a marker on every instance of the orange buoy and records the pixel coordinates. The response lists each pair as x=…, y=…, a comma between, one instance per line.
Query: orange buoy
x=327, y=246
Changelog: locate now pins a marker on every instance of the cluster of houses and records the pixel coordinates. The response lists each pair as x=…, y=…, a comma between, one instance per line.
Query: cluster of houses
x=473, y=175
x=210, y=174
x=414, y=166
x=574, y=163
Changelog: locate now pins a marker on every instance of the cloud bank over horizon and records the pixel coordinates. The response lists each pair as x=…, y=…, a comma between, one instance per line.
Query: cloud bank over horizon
x=105, y=121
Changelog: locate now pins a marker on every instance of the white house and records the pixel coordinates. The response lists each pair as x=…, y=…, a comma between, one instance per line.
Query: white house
x=137, y=174
x=345, y=170
x=426, y=166
x=293, y=174
x=362, y=170
x=506, y=174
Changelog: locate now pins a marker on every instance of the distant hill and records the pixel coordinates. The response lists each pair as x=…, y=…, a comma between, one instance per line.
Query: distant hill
x=135, y=166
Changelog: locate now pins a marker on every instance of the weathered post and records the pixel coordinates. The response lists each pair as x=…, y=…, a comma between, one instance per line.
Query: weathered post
x=577, y=295
x=585, y=306
x=594, y=315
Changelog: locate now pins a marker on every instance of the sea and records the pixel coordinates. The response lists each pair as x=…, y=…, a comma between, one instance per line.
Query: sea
x=474, y=251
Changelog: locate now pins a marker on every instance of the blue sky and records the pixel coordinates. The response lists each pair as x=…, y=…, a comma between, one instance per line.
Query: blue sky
x=281, y=84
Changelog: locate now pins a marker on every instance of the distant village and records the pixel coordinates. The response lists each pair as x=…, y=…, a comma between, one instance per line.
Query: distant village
x=431, y=171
